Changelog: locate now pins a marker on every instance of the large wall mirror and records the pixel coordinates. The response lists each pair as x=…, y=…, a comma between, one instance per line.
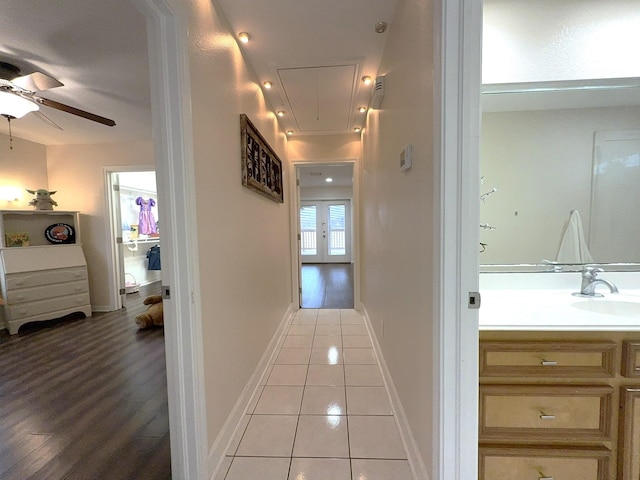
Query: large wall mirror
x=560, y=138
x=549, y=150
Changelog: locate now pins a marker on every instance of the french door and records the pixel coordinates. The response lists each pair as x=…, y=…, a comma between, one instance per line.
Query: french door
x=325, y=231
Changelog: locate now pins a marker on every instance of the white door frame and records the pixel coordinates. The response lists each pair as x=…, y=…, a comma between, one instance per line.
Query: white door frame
x=294, y=212
x=457, y=80
x=167, y=34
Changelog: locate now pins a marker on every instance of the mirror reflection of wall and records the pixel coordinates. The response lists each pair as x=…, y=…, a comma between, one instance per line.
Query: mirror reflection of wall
x=541, y=62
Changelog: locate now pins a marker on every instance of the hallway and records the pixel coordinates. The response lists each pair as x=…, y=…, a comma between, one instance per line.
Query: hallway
x=322, y=411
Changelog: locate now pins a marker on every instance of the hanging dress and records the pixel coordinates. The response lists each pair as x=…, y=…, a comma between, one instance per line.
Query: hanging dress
x=146, y=222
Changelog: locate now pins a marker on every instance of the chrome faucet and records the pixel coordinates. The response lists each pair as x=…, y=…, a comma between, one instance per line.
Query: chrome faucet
x=590, y=282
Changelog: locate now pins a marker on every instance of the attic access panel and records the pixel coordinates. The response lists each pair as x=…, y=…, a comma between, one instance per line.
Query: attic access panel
x=320, y=98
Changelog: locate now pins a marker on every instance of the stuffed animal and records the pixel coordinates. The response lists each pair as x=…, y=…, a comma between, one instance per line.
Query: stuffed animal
x=153, y=317
x=43, y=200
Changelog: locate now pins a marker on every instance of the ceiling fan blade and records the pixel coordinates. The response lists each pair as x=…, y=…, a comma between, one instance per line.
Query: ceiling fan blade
x=36, y=81
x=74, y=111
x=46, y=119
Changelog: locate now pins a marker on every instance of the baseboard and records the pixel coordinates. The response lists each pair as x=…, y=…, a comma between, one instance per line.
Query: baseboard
x=416, y=462
x=221, y=444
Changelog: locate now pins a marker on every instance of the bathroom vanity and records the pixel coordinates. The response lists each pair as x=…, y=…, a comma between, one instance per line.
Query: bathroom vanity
x=559, y=390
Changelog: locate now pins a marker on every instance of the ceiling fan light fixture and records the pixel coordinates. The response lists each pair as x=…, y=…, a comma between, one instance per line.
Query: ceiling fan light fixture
x=16, y=106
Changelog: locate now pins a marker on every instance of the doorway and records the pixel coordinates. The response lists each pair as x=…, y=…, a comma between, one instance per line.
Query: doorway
x=326, y=235
x=133, y=212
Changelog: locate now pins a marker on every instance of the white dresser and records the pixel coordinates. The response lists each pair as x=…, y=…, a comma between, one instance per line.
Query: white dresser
x=39, y=278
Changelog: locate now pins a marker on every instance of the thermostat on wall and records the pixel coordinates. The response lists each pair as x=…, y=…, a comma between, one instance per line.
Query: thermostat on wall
x=405, y=158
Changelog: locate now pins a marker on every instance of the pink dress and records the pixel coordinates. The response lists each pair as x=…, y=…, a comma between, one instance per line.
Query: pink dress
x=146, y=222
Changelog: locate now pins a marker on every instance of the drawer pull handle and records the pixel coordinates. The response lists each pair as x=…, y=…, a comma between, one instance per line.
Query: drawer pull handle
x=545, y=478
x=548, y=363
x=544, y=416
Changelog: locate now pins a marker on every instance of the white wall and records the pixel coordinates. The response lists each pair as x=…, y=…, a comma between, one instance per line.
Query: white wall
x=547, y=40
x=23, y=167
x=77, y=173
x=244, y=247
x=324, y=147
x=540, y=162
x=326, y=193
x=397, y=215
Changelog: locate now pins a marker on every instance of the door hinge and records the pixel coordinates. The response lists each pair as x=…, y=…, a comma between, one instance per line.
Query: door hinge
x=118, y=240
x=122, y=291
x=297, y=182
x=299, y=237
x=300, y=290
x=166, y=292
x=116, y=188
x=474, y=300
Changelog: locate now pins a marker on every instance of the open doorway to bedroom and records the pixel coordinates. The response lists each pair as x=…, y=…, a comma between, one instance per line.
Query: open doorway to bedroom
x=326, y=235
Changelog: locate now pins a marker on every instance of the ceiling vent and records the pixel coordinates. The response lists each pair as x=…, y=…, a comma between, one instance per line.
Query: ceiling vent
x=377, y=92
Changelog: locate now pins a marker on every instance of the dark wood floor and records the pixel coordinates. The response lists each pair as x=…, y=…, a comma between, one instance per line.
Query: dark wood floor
x=327, y=285
x=85, y=399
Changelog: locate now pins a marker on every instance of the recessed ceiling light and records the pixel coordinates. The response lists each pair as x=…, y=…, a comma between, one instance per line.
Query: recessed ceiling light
x=289, y=132
x=267, y=85
x=243, y=37
x=280, y=113
x=357, y=129
x=381, y=27
x=367, y=80
x=328, y=179
x=362, y=109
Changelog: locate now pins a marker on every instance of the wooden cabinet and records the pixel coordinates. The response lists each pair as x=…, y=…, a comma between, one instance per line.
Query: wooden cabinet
x=40, y=279
x=559, y=405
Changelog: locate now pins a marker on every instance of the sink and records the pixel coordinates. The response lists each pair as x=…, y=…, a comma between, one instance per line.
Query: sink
x=620, y=308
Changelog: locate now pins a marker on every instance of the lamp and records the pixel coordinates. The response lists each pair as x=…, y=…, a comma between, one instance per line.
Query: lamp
x=16, y=106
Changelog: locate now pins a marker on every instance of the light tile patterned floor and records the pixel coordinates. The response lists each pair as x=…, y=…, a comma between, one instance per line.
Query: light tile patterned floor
x=321, y=411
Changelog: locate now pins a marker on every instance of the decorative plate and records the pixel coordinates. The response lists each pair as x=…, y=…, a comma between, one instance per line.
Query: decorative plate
x=60, y=233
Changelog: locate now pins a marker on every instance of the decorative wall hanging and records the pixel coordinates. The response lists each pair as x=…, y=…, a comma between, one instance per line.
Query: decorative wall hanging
x=261, y=167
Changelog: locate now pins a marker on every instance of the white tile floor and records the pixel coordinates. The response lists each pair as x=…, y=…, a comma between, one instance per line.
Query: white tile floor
x=321, y=411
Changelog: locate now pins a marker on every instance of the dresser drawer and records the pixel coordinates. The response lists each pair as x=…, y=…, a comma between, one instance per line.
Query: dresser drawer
x=631, y=359
x=547, y=358
x=543, y=463
x=23, y=310
x=545, y=412
x=33, y=294
x=45, y=277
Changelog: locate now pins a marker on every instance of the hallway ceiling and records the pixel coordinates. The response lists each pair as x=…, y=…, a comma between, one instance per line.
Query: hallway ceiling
x=314, y=53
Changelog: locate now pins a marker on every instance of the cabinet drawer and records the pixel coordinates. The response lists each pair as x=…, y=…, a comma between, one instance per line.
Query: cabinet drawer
x=543, y=463
x=33, y=294
x=23, y=310
x=545, y=412
x=45, y=277
x=631, y=359
x=542, y=359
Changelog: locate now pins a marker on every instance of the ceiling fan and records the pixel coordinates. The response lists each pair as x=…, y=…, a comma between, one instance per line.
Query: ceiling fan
x=20, y=95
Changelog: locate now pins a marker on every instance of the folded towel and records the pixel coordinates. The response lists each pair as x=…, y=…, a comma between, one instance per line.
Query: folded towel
x=573, y=248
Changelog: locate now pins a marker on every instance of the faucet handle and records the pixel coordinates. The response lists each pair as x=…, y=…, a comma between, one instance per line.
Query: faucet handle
x=591, y=272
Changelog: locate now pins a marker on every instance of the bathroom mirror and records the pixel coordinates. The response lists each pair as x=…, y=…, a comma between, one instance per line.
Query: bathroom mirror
x=553, y=148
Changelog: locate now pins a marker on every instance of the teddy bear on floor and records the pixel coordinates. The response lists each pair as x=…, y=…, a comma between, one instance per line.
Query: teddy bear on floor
x=153, y=317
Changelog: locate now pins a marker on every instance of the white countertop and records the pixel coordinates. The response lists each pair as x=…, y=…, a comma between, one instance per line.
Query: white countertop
x=512, y=303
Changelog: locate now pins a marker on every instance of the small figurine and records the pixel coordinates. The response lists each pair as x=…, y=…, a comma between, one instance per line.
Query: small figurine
x=43, y=200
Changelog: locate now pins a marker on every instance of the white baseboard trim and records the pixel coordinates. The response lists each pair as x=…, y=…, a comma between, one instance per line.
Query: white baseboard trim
x=221, y=444
x=102, y=308
x=416, y=462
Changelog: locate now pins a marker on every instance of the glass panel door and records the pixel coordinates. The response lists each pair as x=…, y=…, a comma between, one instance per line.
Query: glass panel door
x=325, y=231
